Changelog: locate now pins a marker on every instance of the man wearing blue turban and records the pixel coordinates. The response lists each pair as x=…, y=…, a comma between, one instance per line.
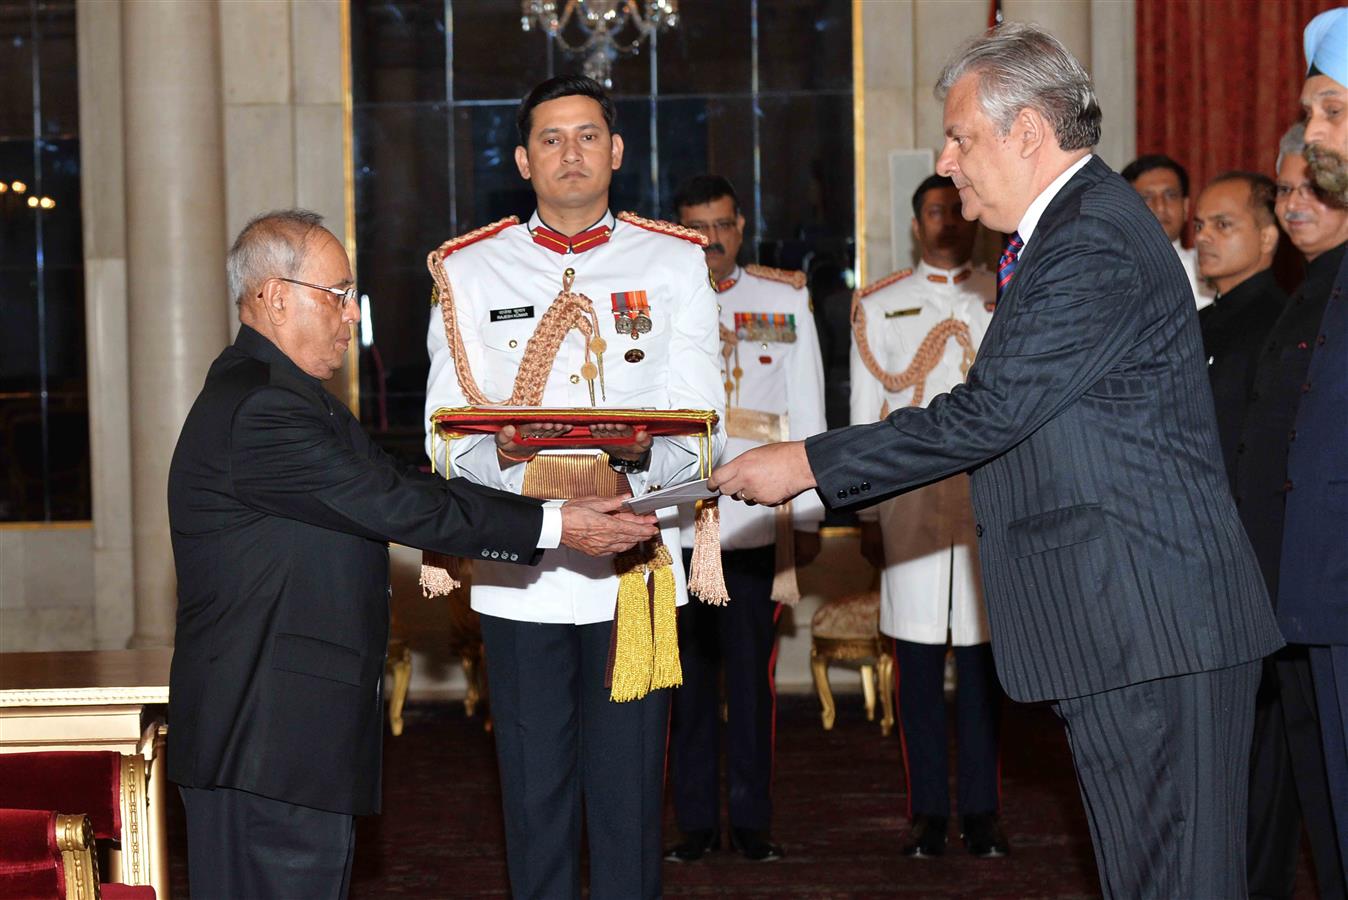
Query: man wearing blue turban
x=1313, y=590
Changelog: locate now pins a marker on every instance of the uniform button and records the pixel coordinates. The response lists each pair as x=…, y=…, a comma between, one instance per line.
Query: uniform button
x=1287, y=486
x=495, y=555
x=514, y=557
x=514, y=344
x=978, y=530
x=854, y=490
x=865, y=485
x=1306, y=388
x=842, y=495
x=1302, y=345
x=486, y=553
x=575, y=379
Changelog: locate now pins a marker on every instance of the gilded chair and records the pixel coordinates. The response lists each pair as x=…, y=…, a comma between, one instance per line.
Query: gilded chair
x=847, y=630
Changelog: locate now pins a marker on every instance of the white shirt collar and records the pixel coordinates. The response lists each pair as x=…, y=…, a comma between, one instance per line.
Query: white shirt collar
x=606, y=219
x=1032, y=215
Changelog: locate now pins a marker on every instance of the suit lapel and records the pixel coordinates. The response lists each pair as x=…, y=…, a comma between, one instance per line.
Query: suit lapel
x=1090, y=173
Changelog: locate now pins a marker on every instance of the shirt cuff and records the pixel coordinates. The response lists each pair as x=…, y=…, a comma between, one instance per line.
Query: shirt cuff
x=550, y=535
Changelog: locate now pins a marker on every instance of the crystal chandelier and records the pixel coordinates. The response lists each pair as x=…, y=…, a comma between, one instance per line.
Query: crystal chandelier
x=603, y=29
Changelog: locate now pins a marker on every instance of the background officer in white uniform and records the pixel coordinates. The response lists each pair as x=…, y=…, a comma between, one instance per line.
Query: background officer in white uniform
x=918, y=330
x=559, y=736
x=771, y=367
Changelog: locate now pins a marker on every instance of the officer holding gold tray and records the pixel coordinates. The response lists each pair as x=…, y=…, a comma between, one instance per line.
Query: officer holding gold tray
x=579, y=308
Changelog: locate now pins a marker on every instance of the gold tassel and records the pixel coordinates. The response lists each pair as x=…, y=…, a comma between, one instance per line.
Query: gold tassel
x=884, y=409
x=667, y=672
x=785, y=588
x=634, y=646
x=705, y=576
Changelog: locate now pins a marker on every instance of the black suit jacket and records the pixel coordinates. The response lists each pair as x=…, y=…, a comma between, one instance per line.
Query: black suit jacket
x=281, y=508
x=1261, y=450
x=1110, y=547
x=1234, y=328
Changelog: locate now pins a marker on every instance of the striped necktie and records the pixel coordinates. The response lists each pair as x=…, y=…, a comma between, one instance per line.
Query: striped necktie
x=1006, y=266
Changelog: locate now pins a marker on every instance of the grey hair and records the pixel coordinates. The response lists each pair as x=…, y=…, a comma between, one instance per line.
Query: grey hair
x=1293, y=143
x=270, y=245
x=1020, y=66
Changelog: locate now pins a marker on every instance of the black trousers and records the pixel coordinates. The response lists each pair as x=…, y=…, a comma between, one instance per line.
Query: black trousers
x=737, y=639
x=1330, y=667
x=561, y=742
x=243, y=845
x=1288, y=784
x=920, y=682
x=1163, y=768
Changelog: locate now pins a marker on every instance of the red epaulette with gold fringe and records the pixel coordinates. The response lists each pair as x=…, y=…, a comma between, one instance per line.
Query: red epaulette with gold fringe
x=883, y=283
x=669, y=228
x=472, y=237
x=786, y=276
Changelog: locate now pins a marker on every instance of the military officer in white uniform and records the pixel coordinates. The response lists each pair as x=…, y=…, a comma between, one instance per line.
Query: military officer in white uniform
x=774, y=390
x=560, y=738
x=914, y=336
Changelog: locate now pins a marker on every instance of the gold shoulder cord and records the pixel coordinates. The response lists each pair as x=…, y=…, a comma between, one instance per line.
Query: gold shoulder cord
x=927, y=357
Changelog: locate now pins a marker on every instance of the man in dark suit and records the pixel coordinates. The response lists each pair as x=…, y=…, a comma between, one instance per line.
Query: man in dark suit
x=1235, y=236
x=1313, y=589
x=281, y=510
x=1119, y=583
x=1288, y=785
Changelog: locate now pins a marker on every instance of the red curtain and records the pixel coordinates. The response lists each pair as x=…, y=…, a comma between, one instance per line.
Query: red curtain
x=1218, y=82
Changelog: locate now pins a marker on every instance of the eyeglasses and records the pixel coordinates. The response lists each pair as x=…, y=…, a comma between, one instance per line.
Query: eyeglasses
x=345, y=296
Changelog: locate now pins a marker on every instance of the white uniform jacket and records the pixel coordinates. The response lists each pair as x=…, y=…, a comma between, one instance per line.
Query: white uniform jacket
x=502, y=285
x=931, y=580
x=1204, y=295
x=782, y=374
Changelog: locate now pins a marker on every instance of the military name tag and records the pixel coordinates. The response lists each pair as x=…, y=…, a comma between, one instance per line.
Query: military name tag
x=514, y=312
x=896, y=313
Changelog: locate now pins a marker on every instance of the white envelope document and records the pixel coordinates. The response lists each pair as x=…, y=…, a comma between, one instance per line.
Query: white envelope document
x=678, y=495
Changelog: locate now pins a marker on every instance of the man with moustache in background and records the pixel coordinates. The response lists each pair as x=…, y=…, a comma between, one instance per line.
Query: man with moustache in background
x=1287, y=766
x=1313, y=592
x=774, y=383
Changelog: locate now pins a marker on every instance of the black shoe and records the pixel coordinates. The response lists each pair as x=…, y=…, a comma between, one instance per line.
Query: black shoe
x=694, y=846
x=983, y=836
x=927, y=837
x=756, y=846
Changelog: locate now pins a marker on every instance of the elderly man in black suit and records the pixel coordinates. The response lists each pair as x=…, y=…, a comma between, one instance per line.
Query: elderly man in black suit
x=281, y=510
x=1119, y=583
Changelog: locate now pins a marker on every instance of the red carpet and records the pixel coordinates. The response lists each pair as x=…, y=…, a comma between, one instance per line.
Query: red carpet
x=839, y=814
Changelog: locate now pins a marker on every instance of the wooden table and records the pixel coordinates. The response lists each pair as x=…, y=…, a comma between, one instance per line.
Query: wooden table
x=100, y=700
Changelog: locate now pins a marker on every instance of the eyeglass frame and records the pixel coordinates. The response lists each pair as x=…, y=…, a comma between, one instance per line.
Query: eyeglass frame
x=345, y=295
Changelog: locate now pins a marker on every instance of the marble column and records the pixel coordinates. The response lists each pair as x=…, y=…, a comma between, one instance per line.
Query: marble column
x=175, y=242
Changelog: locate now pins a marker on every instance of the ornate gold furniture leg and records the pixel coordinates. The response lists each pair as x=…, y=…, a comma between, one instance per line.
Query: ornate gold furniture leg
x=868, y=690
x=472, y=694
x=75, y=840
x=884, y=670
x=399, y=666
x=819, y=667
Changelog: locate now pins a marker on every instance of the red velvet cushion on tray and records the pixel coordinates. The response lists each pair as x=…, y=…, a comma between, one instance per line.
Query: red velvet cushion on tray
x=73, y=781
x=30, y=862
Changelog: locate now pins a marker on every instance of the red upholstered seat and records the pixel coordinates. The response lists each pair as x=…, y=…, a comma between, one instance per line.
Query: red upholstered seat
x=30, y=860
x=86, y=782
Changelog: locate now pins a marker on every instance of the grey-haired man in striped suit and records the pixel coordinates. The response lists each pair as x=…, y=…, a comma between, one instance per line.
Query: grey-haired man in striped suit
x=1119, y=582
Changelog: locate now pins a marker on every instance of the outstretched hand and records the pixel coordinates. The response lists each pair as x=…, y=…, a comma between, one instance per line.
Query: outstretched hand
x=600, y=526
x=770, y=475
